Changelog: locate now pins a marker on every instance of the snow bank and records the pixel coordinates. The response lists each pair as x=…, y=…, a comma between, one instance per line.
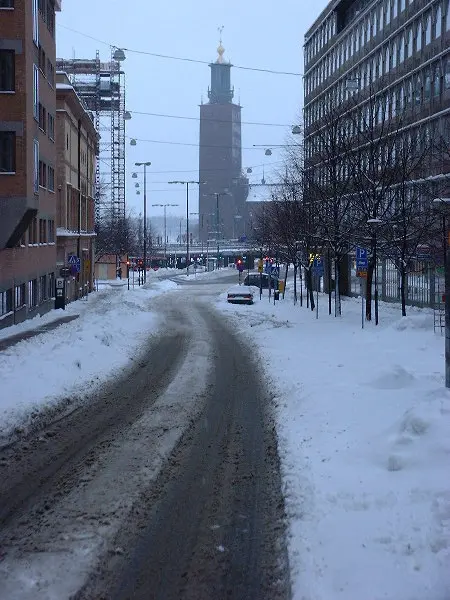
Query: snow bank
x=77, y=356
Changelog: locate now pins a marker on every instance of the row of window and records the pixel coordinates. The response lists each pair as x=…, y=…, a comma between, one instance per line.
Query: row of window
x=40, y=231
x=417, y=36
x=44, y=175
x=32, y=294
x=416, y=143
x=46, y=67
x=430, y=83
x=380, y=17
x=46, y=122
x=47, y=12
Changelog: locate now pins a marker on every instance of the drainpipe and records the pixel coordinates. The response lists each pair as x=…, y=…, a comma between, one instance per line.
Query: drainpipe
x=80, y=274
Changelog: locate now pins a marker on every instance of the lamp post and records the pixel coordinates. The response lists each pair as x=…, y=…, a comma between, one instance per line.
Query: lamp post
x=445, y=204
x=145, y=165
x=217, y=195
x=374, y=223
x=187, y=183
x=165, y=229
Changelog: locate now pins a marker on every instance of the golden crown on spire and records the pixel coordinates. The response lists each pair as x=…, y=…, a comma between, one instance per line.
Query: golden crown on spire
x=220, y=48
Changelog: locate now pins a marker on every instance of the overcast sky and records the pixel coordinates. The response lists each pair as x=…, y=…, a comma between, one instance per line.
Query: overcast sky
x=263, y=34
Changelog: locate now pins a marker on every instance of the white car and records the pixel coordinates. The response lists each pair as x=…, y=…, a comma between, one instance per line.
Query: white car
x=240, y=294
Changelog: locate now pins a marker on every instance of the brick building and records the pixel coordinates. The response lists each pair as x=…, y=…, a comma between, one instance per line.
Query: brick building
x=27, y=158
x=77, y=151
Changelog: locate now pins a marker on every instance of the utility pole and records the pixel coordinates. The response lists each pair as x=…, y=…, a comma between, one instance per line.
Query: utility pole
x=187, y=183
x=145, y=164
x=165, y=229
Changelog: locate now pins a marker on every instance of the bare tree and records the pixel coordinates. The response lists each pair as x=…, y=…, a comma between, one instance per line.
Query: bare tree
x=411, y=218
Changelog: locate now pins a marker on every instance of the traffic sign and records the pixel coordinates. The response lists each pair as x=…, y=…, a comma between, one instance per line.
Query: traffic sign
x=317, y=266
x=75, y=263
x=362, y=261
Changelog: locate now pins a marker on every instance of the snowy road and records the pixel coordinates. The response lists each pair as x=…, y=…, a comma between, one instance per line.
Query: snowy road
x=165, y=485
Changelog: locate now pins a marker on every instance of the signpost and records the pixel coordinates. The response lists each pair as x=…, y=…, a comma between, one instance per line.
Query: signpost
x=362, y=264
x=318, y=271
x=74, y=263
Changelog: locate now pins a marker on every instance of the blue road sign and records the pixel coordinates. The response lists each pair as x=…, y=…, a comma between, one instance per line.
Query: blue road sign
x=74, y=262
x=362, y=261
x=317, y=267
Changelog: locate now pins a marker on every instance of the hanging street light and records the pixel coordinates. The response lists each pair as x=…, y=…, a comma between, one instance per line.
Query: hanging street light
x=119, y=55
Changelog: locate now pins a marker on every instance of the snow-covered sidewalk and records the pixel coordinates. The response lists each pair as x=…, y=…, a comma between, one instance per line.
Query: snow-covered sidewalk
x=77, y=356
x=364, y=431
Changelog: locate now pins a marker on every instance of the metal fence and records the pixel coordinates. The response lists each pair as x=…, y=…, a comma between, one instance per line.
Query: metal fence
x=424, y=283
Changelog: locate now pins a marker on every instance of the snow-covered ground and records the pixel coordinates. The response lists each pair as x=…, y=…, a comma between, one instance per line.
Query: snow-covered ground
x=77, y=356
x=364, y=431
x=363, y=421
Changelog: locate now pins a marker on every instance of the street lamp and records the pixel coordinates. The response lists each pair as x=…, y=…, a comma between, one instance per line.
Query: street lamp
x=145, y=165
x=187, y=183
x=217, y=195
x=445, y=204
x=373, y=224
x=165, y=229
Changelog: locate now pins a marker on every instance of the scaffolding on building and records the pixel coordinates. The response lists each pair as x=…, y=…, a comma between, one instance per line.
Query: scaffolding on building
x=101, y=86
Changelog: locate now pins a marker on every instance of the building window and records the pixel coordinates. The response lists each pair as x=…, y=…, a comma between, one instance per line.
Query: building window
x=447, y=75
x=32, y=232
x=6, y=3
x=437, y=84
x=50, y=17
x=7, y=152
x=32, y=293
x=427, y=30
x=35, y=22
x=50, y=73
x=394, y=55
x=51, y=127
x=6, y=302
x=419, y=37
x=36, y=165
x=43, y=290
x=42, y=231
x=42, y=60
x=7, y=71
x=42, y=174
x=36, y=92
x=51, y=179
x=19, y=296
x=51, y=231
x=438, y=23
x=42, y=118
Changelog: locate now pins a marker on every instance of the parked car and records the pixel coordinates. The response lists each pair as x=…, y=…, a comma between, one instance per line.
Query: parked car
x=240, y=294
x=254, y=279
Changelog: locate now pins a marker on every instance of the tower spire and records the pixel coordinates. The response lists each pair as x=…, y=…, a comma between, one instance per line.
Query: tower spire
x=221, y=91
x=220, y=48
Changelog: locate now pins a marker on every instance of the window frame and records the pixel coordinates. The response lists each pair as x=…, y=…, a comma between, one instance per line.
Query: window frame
x=12, y=76
x=9, y=138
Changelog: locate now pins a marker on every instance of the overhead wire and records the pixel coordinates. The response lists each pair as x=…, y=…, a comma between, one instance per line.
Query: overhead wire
x=178, y=58
x=204, y=119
